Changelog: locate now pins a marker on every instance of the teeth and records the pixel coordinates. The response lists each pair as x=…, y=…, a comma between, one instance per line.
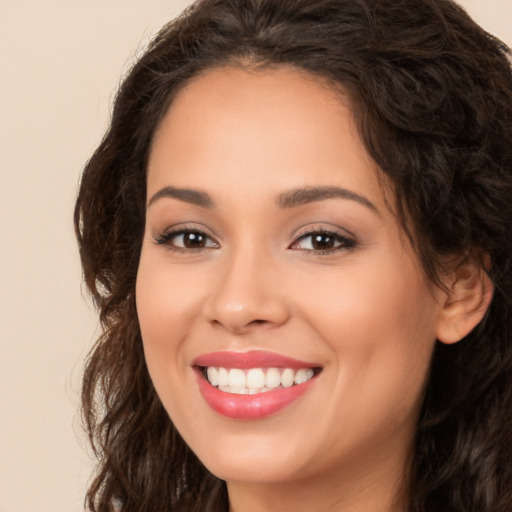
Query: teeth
x=237, y=378
x=238, y=391
x=223, y=377
x=287, y=377
x=272, y=378
x=302, y=376
x=256, y=380
x=213, y=376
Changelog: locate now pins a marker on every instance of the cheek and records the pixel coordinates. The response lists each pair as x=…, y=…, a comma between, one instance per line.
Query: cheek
x=379, y=323
x=163, y=309
x=370, y=300
x=167, y=303
x=165, y=306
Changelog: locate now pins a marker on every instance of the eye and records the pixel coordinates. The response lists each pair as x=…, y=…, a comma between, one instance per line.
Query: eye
x=186, y=240
x=323, y=242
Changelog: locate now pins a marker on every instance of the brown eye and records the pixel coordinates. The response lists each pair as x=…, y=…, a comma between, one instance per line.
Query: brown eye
x=186, y=239
x=193, y=240
x=323, y=242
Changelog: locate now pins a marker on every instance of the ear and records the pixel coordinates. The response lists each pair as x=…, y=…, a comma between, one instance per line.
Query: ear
x=470, y=291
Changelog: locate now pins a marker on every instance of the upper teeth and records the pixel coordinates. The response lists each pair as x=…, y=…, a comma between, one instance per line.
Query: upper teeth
x=256, y=380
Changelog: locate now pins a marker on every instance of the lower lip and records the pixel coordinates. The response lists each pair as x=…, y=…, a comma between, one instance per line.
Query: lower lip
x=250, y=407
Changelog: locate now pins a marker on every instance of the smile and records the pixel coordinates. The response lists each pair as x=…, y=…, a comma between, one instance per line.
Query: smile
x=255, y=380
x=252, y=385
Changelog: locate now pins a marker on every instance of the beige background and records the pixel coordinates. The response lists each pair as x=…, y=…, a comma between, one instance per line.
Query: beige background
x=60, y=62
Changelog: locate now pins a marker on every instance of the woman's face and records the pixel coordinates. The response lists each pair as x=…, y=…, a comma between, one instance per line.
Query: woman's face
x=272, y=262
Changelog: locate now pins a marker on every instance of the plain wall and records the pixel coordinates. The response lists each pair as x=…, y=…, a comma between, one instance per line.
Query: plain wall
x=60, y=64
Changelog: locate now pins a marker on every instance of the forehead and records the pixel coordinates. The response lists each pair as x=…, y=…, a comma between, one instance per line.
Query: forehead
x=273, y=128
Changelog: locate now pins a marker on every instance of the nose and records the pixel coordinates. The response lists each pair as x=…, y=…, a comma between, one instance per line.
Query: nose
x=248, y=294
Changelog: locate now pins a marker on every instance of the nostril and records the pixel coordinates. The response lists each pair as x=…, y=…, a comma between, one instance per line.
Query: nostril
x=257, y=322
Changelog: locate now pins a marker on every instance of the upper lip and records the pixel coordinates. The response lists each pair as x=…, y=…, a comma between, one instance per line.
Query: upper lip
x=250, y=359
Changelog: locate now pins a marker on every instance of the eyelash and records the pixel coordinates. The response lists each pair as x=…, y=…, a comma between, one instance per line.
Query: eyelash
x=344, y=243
x=165, y=239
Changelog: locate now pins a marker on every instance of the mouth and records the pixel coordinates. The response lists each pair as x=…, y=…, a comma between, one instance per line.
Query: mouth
x=252, y=385
x=241, y=381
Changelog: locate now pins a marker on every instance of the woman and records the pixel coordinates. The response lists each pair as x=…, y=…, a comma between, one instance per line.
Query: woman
x=298, y=233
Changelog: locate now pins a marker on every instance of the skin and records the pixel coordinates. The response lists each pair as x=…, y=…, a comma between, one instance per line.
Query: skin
x=365, y=311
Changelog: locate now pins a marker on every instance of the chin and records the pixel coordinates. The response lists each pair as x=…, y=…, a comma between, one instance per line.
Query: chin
x=263, y=463
x=260, y=472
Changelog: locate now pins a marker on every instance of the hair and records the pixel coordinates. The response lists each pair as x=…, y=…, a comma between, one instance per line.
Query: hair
x=431, y=93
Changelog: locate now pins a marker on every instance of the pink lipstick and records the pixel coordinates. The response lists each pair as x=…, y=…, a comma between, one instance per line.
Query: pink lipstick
x=252, y=385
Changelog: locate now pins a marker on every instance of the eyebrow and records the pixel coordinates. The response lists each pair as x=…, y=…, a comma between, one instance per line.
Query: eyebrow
x=301, y=196
x=187, y=195
x=289, y=199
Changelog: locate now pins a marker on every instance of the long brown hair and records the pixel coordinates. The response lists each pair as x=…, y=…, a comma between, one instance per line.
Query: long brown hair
x=432, y=96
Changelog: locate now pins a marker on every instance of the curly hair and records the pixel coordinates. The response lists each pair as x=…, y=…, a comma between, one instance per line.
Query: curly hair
x=431, y=93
